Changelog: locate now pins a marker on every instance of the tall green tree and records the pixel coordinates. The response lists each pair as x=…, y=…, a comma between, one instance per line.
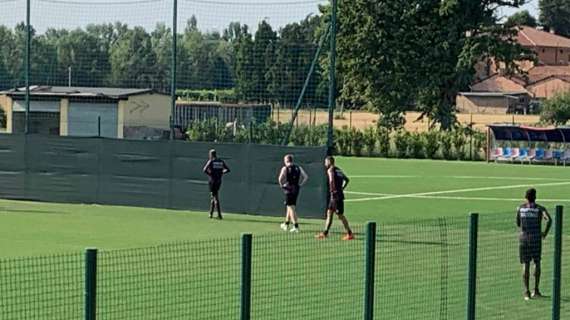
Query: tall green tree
x=522, y=18
x=264, y=45
x=400, y=55
x=244, y=68
x=82, y=55
x=555, y=14
x=295, y=49
x=133, y=60
x=6, y=49
x=161, y=40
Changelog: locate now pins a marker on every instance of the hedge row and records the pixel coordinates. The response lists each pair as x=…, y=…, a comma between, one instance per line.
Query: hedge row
x=462, y=143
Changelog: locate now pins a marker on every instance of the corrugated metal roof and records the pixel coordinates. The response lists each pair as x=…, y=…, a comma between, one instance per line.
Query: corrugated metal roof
x=78, y=92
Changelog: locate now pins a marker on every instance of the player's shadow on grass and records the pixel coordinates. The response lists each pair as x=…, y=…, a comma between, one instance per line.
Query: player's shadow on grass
x=7, y=210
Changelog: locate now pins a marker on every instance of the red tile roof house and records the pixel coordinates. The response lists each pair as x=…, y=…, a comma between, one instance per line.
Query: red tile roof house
x=497, y=93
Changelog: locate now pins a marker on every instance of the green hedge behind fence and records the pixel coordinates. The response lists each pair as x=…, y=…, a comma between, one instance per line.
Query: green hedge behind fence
x=460, y=144
x=420, y=269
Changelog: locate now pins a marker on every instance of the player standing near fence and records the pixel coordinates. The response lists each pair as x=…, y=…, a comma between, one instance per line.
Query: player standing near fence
x=291, y=178
x=529, y=220
x=337, y=182
x=215, y=168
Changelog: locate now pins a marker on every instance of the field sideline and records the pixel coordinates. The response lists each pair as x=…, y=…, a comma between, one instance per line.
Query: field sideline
x=382, y=190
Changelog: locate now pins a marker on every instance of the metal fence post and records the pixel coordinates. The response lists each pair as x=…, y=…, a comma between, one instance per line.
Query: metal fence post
x=332, y=79
x=557, y=276
x=90, y=284
x=370, y=268
x=27, y=67
x=472, y=278
x=173, y=79
x=246, y=244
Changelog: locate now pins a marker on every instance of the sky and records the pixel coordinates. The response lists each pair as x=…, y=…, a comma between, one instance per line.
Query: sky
x=212, y=15
x=531, y=6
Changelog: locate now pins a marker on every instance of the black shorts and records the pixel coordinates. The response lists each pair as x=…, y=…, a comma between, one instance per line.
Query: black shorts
x=291, y=198
x=215, y=186
x=336, y=204
x=530, y=251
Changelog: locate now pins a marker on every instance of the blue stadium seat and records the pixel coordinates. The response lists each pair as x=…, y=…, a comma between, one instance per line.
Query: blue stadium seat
x=539, y=155
x=523, y=155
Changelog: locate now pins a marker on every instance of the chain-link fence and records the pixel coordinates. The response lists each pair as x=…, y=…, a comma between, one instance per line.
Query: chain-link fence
x=421, y=272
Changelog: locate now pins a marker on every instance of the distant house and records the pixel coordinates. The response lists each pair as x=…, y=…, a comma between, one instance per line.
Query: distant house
x=551, y=49
x=540, y=81
x=88, y=112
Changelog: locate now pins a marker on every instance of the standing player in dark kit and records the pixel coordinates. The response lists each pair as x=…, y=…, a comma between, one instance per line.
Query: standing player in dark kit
x=291, y=178
x=215, y=168
x=529, y=220
x=337, y=182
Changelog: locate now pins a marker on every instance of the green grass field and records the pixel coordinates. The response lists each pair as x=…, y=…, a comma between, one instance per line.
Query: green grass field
x=187, y=266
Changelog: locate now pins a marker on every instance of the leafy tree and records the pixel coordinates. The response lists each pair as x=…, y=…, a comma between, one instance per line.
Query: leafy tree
x=264, y=45
x=399, y=55
x=133, y=60
x=522, y=18
x=245, y=79
x=85, y=53
x=556, y=110
x=555, y=14
x=295, y=51
x=161, y=40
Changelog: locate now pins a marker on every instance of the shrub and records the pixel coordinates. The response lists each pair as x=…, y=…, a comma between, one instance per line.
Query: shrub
x=401, y=141
x=370, y=140
x=356, y=142
x=556, y=110
x=431, y=144
x=445, y=145
x=343, y=141
x=458, y=139
x=383, y=136
x=416, y=145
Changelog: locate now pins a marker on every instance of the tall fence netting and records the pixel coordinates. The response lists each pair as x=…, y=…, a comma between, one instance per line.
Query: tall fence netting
x=105, y=68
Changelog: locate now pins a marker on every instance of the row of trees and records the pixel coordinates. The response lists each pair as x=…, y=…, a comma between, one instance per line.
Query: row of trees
x=393, y=56
x=268, y=65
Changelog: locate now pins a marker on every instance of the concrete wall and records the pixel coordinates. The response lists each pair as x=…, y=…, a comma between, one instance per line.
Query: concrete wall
x=6, y=105
x=64, y=117
x=143, y=116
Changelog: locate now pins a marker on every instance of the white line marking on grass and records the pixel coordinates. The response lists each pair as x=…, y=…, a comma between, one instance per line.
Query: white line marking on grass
x=488, y=199
x=370, y=193
x=458, y=177
x=415, y=195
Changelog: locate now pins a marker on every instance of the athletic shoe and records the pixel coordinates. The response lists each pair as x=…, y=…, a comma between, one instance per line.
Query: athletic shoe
x=348, y=236
x=294, y=230
x=537, y=294
x=526, y=296
x=284, y=227
x=211, y=216
x=220, y=217
x=321, y=236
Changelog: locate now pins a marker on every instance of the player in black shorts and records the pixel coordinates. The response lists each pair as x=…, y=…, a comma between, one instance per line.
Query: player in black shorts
x=337, y=182
x=215, y=168
x=291, y=178
x=529, y=221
